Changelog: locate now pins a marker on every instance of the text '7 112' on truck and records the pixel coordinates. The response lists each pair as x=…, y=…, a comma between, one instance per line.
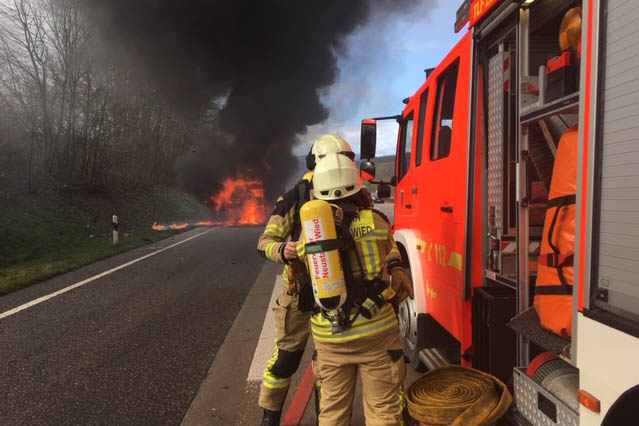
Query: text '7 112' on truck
x=517, y=206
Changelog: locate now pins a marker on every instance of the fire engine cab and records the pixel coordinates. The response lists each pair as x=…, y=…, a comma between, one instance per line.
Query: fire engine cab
x=517, y=206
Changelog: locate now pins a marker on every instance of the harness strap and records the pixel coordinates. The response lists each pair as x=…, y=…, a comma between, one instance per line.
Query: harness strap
x=558, y=203
x=362, y=295
x=349, y=242
x=303, y=195
x=325, y=245
x=554, y=260
x=553, y=290
x=358, y=290
x=561, y=201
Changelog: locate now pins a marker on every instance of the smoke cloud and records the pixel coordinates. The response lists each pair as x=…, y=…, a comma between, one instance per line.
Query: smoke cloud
x=256, y=67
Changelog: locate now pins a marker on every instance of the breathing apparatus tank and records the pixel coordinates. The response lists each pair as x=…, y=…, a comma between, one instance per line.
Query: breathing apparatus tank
x=322, y=255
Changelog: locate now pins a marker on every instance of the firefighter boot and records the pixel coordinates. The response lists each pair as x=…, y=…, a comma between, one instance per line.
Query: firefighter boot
x=271, y=418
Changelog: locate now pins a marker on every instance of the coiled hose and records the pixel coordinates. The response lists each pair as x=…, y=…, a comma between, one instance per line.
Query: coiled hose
x=457, y=396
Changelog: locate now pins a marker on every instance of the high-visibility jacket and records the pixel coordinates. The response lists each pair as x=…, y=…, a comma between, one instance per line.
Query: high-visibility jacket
x=282, y=223
x=376, y=248
x=555, y=277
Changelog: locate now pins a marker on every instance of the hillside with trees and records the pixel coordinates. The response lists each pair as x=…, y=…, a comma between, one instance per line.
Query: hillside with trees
x=81, y=138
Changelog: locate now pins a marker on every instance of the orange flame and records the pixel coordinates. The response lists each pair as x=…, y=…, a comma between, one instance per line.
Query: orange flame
x=180, y=226
x=240, y=201
x=204, y=223
x=156, y=226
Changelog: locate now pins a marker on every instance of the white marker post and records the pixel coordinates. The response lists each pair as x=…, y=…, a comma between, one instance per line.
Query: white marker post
x=115, y=230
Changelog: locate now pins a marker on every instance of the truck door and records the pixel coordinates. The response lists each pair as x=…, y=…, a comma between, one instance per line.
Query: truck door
x=404, y=202
x=443, y=179
x=447, y=157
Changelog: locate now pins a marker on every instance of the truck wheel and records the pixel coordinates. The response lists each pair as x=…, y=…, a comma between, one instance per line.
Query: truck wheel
x=407, y=318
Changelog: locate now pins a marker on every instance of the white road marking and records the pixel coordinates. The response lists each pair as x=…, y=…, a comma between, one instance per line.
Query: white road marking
x=95, y=277
x=266, y=343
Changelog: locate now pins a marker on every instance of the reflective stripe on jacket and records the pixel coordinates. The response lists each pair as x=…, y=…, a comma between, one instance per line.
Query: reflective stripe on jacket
x=376, y=247
x=278, y=229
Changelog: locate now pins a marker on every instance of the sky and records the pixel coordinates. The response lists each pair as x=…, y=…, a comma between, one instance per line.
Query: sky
x=384, y=63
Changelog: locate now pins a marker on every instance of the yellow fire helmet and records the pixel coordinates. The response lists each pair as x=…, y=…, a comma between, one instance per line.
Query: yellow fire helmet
x=335, y=177
x=326, y=144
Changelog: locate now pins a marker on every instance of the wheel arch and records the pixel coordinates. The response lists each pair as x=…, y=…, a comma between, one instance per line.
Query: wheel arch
x=623, y=410
x=407, y=239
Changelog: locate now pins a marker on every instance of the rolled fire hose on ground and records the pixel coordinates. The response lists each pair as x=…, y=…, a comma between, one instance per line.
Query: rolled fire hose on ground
x=457, y=396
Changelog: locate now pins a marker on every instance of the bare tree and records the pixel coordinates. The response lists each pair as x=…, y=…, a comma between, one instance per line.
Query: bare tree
x=90, y=123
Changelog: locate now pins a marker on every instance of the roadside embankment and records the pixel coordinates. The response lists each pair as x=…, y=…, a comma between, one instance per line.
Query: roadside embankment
x=43, y=235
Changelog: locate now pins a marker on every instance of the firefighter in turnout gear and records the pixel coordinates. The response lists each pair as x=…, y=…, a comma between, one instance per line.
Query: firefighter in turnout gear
x=291, y=319
x=360, y=335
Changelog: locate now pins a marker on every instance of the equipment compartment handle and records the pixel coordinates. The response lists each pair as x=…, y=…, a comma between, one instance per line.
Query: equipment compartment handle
x=547, y=407
x=446, y=209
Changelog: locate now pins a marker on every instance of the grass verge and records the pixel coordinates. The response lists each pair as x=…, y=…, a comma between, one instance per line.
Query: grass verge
x=44, y=236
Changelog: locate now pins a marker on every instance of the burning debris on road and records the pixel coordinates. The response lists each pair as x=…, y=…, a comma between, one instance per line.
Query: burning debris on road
x=158, y=227
x=239, y=203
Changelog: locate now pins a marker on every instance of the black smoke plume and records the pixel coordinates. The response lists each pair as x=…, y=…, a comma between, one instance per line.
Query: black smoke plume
x=263, y=64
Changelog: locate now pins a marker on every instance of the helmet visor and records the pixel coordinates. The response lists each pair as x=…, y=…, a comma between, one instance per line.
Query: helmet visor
x=349, y=154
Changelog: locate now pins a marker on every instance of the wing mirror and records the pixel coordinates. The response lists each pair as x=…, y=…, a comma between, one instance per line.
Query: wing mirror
x=368, y=139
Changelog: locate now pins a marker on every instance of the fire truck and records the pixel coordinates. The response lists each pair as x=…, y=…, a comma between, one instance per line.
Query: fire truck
x=482, y=149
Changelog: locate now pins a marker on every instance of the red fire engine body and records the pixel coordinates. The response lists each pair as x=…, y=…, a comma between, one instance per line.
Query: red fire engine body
x=474, y=165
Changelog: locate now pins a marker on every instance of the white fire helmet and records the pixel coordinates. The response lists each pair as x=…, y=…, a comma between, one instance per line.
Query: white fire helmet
x=336, y=177
x=326, y=144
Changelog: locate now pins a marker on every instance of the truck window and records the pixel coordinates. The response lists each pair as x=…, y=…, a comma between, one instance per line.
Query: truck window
x=444, y=107
x=405, y=146
x=423, y=103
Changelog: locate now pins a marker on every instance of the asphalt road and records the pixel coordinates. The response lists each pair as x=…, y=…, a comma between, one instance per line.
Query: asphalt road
x=132, y=347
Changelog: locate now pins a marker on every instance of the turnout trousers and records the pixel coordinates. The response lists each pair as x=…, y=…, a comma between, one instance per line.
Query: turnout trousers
x=379, y=359
x=291, y=336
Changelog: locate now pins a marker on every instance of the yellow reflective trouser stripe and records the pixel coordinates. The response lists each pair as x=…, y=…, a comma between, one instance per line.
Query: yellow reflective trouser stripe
x=363, y=327
x=271, y=381
x=402, y=405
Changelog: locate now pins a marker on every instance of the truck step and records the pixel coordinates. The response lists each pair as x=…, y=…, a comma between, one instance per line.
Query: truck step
x=433, y=358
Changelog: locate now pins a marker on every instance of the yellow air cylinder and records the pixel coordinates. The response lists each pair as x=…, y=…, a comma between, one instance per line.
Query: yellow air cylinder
x=325, y=267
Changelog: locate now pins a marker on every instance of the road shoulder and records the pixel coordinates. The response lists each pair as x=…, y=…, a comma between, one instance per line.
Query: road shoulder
x=225, y=397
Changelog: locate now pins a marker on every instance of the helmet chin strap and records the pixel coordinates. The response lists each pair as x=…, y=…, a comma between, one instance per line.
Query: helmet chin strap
x=349, y=208
x=356, y=201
